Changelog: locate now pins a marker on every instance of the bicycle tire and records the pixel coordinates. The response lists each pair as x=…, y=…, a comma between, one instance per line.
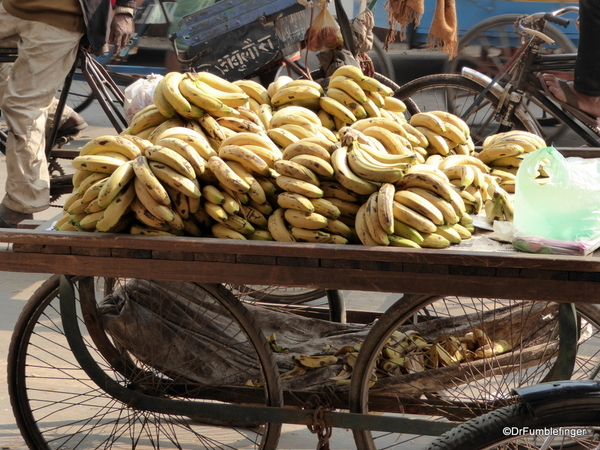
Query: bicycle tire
x=281, y=295
x=455, y=94
x=489, y=432
x=55, y=403
x=477, y=50
x=471, y=388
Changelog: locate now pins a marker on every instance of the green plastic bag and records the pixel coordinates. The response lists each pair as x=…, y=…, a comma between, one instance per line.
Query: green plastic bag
x=562, y=215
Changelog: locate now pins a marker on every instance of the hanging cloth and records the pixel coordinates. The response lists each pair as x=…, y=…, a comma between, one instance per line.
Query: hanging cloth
x=443, y=35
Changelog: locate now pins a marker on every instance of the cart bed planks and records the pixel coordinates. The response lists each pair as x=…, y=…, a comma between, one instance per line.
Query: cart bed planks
x=351, y=267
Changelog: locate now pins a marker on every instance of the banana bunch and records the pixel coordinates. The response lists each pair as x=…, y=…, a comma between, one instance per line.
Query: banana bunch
x=351, y=96
x=419, y=211
x=303, y=213
x=503, y=153
x=446, y=133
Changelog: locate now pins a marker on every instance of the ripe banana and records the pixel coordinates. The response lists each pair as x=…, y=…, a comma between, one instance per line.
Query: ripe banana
x=114, y=184
x=239, y=224
x=254, y=90
x=144, y=119
x=179, y=202
x=212, y=194
x=465, y=174
x=298, y=186
x=304, y=219
x=89, y=181
x=255, y=191
x=379, y=173
x=146, y=176
x=188, y=152
x=490, y=154
x=336, y=190
x=95, y=163
x=393, y=143
x=448, y=232
x=326, y=208
x=349, y=86
x=454, y=120
x=173, y=178
x=174, y=96
x=455, y=160
x=257, y=139
x=191, y=137
x=412, y=218
x=299, y=111
x=315, y=164
x=247, y=158
x=426, y=181
x=116, y=209
x=394, y=104
x=421, y=205
x=347, y=209
x=282, y=137
x=161, y=102
x=221, y=231
x=295, y=170
x=288, y=94
x=429, y=121
x=406, y=231
x=434, y=240
x=278, y=228
x=361, y=227
x=385, y=207
x=372, y=220
x=436, y=143
x=172, y=159
x=117, y=144
x=305, y=147
x=346, y=177
x=326, y=120
x=348, y=101
x=337, y=110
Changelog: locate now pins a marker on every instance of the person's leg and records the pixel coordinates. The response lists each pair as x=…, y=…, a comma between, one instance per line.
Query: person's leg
x=586, y=85
x=46, y=54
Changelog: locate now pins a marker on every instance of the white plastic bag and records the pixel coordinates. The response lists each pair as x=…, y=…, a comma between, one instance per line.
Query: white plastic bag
x=140, y=94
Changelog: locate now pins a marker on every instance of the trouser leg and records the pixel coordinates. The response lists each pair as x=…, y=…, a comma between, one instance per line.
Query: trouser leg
x=46, y=54
x=587, y=65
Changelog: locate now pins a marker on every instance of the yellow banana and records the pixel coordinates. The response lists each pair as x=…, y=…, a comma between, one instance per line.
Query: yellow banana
x=95, y=163
x=217, y=82
x=116, y=144
x=426, y=181
x=454, y=120
x=379, y=173
x=265, y=114
x=361, y=227
x=317, y=165
x=455, y=160
x=295, y=170
x=346, y=177
x=436, y=142
x=157, y=210
x=288, y=94
x=282, y=137
x=148, y=179
x=161, y=102
x=258, y=139
x=394, y=104
x=179, y=202
x=404, y=230
x=114, y=184
x=326, y=120
x=172, y=159
x=279, y=83
x=145, y=119
x=298, y=186
x=116, y=209
x=337, y=110
x=191, y=137
x=349, y=86
x=434, y=240
x=239, y=224
x=221, y=231
x=247, y=158
x=212, y=194
x=254, y=216
x=254, y=90
x=334, y=189
x=490, y=154
x=299, y=111
x=325, y=208
x=348, y=101
x=255, y=192
x=421, y=205
x=429, y=121
x=385, y=207
x=372, y=221
x=211, y=127
x=304, y=219
x=174, y=96
x=184, y=149
x=278, y=227
x=304, y=147
x=410, y=217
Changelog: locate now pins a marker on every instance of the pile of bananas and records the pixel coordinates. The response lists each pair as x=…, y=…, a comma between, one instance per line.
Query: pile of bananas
x=293, y=162
x=444, y=133
x=503, y=153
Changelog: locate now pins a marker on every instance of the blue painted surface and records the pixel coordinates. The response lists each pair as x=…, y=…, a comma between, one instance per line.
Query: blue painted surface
x=471, y=12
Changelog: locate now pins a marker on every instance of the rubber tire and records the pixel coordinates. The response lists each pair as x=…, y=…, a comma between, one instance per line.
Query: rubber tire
x=33, y=340
x=413, y=92
x=401, y=312
x=486, y=432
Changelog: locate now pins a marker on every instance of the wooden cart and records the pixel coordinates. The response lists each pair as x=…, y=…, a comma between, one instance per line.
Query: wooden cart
x=260, y=406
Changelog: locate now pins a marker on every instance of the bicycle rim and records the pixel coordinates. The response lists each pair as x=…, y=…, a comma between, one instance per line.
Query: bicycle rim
x=456, y=94
x=458, y=392
x=57, y=405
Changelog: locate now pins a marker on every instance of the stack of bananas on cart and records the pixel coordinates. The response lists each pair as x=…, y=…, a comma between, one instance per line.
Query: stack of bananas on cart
x=292, y=162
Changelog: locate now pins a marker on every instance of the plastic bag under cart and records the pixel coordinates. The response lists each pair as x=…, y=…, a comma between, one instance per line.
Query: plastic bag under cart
x=237, y=39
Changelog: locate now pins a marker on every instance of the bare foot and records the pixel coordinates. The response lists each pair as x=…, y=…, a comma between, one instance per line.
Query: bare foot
x=587, y=104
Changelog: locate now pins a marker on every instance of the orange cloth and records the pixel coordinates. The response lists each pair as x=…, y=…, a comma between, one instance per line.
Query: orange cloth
x=443, y=34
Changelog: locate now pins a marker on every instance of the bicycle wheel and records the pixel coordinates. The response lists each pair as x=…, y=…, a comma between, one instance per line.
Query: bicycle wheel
x=57, y=405
x=577, y=431
x=280, y=294
x=464, y=390
x=456, y=94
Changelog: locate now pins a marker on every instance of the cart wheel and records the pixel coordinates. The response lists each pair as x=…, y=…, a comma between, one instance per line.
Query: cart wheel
x=57, y=405
x=457, y=392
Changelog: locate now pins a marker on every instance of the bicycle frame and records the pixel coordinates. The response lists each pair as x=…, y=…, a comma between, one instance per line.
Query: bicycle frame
x=523, y=84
